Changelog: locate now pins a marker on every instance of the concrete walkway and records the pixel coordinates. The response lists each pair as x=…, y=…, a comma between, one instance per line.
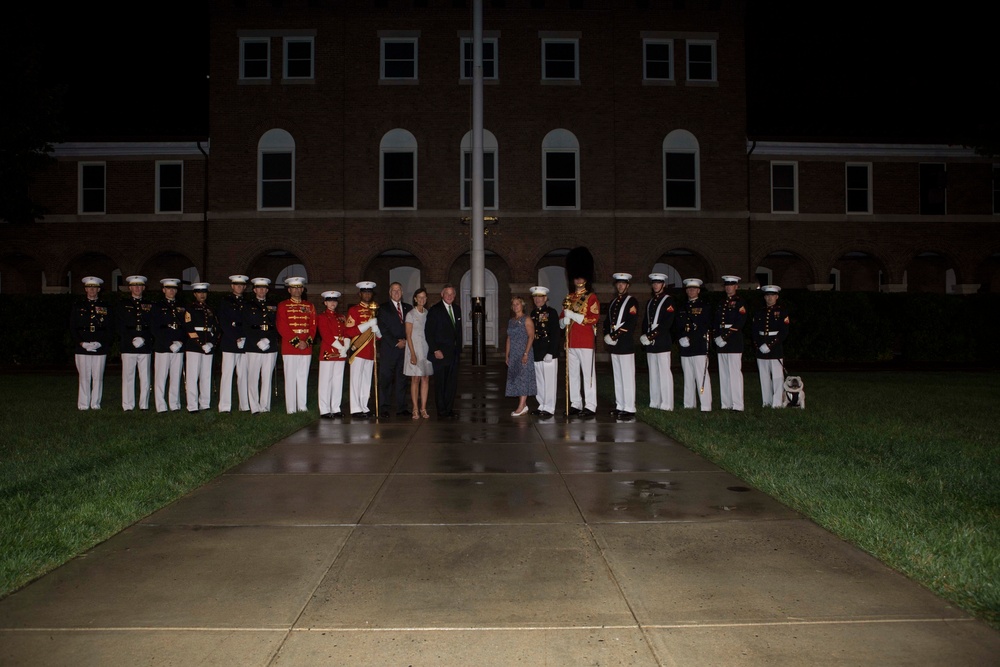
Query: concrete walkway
x=489, y=540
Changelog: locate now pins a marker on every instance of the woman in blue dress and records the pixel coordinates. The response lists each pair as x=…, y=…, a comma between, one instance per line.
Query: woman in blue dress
x=520, y=362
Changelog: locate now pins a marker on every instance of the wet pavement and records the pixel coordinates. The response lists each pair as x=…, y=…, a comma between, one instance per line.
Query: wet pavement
x=487, y=540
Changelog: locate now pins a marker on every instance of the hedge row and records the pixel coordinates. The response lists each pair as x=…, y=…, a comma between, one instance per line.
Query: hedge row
x=826, y=327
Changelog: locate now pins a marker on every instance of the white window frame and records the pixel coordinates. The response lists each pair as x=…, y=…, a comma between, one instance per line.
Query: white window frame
x=312, y=58
x=682, y=141
x=560, y=141
x=396, y=141
x=575, y=41
x=848, y=189
x=462, y=60
x=275, y=141
x=255, y=40
x=669, y=43
x=715, y=59
x=104, y=187
x=415, y=41
x=490, y=152
x=795, y=185
x=159, y=186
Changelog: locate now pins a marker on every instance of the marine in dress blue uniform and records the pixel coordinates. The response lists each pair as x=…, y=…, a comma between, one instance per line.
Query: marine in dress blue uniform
x=90, y=326
x=233, y=344
x=135, y=341
x=693, y=328
x=546, y=351
x=167, y=318
x=619, y=331
x=202, y=329
x=769, y=329
x=262, y=345
x=727, y=331
x=657, y=322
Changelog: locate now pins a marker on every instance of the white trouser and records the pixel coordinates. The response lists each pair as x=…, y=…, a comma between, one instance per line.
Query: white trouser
x=130, y=364
x=623, y=369
x=91, y=369
x=198, y=380
x=167, y=364
x=731, y=381
x=546, y=373
x=661, y=381
x=233, y=361
x=296, y=367
x=331, y=386
x=772, y=380
x=694, y=371
x=260, y=370
x=582, y=394
x=361, y=384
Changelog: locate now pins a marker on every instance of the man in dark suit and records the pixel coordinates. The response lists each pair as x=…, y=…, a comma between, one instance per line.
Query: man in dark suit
x=444, y=345
x=392, y=384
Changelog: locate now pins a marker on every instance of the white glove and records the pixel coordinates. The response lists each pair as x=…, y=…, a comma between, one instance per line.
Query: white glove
x=547, y=357
x=365, y=326
x=719, y=341
x=608, y=340
x=96, y=346
x=240, y=342
x=765, y=348
x=563, y=322
x=207, y=347
x=264, y=344
x=376, y=330
x=138, y=342
x=644, y=340
x=684, y=342
x=176, y=346
x=576, y=317
x=342, y=348
x=88, y=347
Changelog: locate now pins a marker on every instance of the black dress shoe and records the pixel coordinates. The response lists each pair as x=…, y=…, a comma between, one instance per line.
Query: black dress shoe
x=325, y=415
x=587, y=413
x=359, y=415
x=545, y=414
x=573, y=412
x=616, y=412
x=535, y=413
x=337, y=415
x=626, y=415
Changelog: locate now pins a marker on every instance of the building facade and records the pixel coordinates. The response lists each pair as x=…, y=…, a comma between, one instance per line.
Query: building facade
x=339, y=149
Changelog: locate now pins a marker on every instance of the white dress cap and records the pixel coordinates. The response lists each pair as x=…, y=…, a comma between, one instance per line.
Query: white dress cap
x=539, y=290
x=261, y=282
x=200, y=287
x=331, y=294
x=731, y=280
x=658, y=277
x=295, y=281
x=92, y=281
x=692, y=282
x=171, y=282
x=136, y=280
x=770, y=289
x=622, y=277
x=238, y=279
x=366, y=285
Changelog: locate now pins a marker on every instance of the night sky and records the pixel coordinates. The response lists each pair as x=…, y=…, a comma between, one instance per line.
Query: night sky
x=837, y=71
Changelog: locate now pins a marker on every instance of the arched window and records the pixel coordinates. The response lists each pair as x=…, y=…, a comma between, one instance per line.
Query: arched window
x=560, y=170
x=681, y=171
x=276, y=171
x=490, y=192
x=398, y=170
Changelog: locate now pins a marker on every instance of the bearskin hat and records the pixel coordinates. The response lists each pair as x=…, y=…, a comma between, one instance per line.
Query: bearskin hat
x=580, y=264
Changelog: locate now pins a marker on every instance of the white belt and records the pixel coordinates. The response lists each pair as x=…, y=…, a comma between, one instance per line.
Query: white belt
x=203, y=328
x=768, y=333
x=727, y=326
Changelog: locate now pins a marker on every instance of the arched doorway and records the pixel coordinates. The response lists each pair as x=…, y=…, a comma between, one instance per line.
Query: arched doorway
x=492, y=324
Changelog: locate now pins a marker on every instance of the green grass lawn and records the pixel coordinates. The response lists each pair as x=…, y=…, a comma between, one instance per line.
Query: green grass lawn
x=904, y=465
x=71, y=479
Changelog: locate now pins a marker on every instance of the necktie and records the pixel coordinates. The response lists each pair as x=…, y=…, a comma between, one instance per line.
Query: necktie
x=399, y=309
x=451, y=314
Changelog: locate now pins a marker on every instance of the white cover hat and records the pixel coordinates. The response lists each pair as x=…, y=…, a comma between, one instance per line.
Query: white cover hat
x=331, y=294
x=92, y=281
x=693, y=282
x=770, y=289
x=238, y=279
x=295, y=281
x=200, y=287
x=366, y=285
x=622, y=277
x=730, y=280
x=658, y=277
x=261, y=282
x=171, y=282
x=539, y=290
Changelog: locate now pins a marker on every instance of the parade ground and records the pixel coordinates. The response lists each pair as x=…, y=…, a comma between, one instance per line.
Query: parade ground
x=487, y=540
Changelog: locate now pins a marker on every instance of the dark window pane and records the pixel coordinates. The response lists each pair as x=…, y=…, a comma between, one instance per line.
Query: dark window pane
x=400, y=70
x=170, y=175
x=397, y=194
x=680, y=194
x=783, y=176
x=680, y=166
x=397, y=165
x=93, y=201
x=658, y=52
x=467, y=163
x=300, y=50
x=784, y=200
x=560, y=165
x=857, y=177
x=857, y=201
x=276, y=166
x=700, y=71
x=657, y=70
x=399, y=50
x=560, y=70
x=170, y=200
x=488, y=165
x=560, y=193
x=560, y=51
x=276, y=194
x=489, y=194
x=255, y=50
x=467, y=193
x=701, y=53
x=93, y=176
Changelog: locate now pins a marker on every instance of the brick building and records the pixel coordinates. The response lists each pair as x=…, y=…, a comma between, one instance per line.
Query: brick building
x=337, y=149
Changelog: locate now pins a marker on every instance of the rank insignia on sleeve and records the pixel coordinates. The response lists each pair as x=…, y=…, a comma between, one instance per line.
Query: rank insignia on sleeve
x=743, y=311
x=187, y=317
x=632, y=310
x=670, y=308
x=786, y=319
